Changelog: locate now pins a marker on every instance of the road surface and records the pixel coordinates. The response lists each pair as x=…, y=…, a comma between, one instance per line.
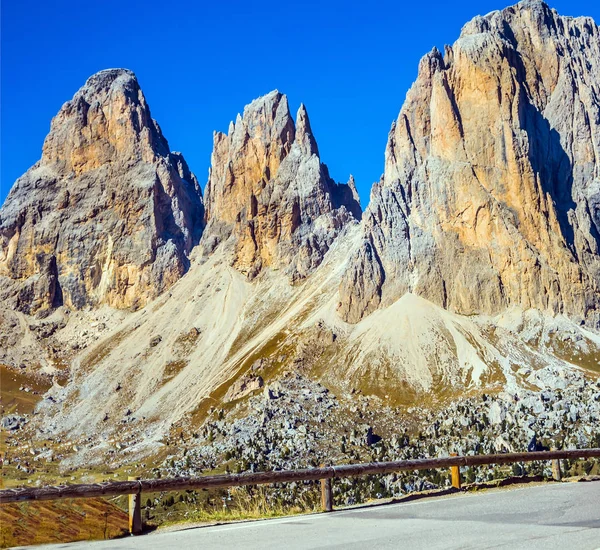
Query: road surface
x=550, y=516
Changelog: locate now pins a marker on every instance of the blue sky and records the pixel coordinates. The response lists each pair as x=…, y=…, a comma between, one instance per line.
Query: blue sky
x=200, y=62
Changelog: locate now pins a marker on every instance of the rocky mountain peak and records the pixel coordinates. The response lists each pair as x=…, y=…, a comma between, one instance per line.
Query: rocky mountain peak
x=266, y=131
x=107, y=118
x=304, y=135
x=537, y=17
x=353, y=189
x=269, y=120
x=491, y=183
x=108, y=215
x=269, y=190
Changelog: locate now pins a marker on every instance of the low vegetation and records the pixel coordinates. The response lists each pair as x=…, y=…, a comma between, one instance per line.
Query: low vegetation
x=28, y=523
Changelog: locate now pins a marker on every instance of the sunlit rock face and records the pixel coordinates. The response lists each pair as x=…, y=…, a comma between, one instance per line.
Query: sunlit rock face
x=270, y=193
x=108, y=215
x=491, y=190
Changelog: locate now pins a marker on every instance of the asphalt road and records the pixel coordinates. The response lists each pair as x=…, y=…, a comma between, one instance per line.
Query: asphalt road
x=550, y=516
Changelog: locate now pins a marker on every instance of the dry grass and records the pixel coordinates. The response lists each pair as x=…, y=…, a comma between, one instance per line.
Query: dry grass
x=244, y=503
x=14, y=400
x=186, y=341
x=173, y=368
x=106, y=346
x=274, y=346
x=30, y=523
x=567, y=351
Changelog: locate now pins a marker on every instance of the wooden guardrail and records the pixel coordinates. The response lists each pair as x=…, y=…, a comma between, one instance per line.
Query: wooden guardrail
x=135, y=486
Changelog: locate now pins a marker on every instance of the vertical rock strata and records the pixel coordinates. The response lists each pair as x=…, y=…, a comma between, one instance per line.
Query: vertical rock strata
x=268, y=189
x=491, y=191
x=108, y=215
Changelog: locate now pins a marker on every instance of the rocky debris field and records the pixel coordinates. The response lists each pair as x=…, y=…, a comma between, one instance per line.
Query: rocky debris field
x=297, y=423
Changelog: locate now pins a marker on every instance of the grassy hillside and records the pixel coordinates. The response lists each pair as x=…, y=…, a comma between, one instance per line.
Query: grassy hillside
x=60, y=521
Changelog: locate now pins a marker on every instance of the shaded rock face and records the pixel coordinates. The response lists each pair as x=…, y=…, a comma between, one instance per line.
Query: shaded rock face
x=491, y=187
x=269, y=190
x=108, y=215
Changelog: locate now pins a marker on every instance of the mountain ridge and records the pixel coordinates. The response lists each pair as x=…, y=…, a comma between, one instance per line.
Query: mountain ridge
x=473, y=269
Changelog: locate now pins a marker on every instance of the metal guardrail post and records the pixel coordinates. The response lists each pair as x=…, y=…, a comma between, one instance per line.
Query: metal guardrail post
x=135, y=509
x=455, y=470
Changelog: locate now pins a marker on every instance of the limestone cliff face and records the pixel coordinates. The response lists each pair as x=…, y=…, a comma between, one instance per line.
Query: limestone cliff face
x=108, y=215
x=491, y=190
x=268, y=190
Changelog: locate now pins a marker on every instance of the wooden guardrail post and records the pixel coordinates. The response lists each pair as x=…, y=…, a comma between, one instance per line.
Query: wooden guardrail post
x=455, y=470
x=556, y=472
x=326, y=494
x=135, y=509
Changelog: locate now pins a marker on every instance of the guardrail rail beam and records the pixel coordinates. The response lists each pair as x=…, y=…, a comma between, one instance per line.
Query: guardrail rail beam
x=134, y=486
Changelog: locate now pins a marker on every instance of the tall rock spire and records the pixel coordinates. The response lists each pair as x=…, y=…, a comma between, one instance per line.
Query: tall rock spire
x=304, y=136
x=108, y=215
x=270, y=193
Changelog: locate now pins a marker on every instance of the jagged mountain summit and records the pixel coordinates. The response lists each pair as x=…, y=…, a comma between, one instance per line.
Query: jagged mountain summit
x=473, y=269
x=108, y=215
x=269, y=190
x=491, y=191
